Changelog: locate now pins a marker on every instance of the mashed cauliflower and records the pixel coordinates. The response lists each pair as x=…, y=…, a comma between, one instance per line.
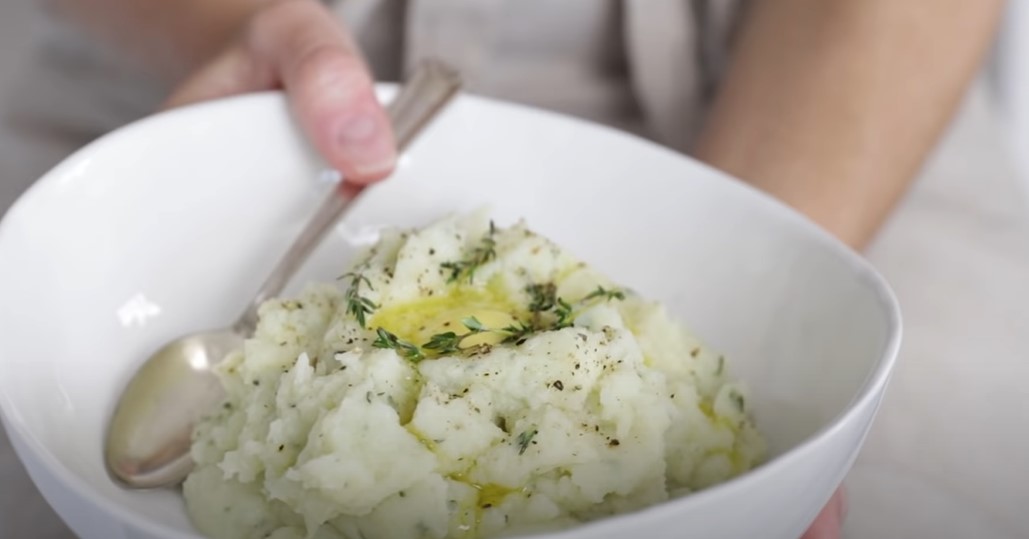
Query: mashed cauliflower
x=462, y=381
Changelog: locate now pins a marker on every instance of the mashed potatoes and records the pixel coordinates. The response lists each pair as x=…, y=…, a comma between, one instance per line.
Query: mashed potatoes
x=462, y=381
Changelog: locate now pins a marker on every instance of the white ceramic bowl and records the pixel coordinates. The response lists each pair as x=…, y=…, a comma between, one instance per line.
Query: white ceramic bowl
x=170, y=224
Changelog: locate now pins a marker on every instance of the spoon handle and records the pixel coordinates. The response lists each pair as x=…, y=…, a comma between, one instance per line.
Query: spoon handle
x=432, y=85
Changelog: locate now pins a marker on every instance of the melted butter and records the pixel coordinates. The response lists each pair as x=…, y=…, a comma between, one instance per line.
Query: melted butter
x=492, y=495
x=418, y=320
x=489, y=495
x=428, y=443
x=739, y=463
x=706, y=408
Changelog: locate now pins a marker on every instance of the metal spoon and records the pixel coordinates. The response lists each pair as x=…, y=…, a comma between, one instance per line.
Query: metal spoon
x=149, y=435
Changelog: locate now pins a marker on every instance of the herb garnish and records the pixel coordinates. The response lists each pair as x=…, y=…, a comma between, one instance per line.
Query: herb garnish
x=450, y=342
x=444, y=343
x=564, y=313
x=542, y=297
x=390, y=341
x=524, y=439
x=549, y=313
x=602, y=292
x=481, y=254
x=737, y=399
x=517, y=332
x=358, y=306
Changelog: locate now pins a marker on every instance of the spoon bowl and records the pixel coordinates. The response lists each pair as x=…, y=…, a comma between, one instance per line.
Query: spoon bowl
x=148, y=439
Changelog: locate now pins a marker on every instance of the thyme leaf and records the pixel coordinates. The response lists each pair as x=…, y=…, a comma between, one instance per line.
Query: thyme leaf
x=473, y=324
x=479, y=255
x=737, y=399
x=525, y=438
x=517, y=331
x=443, y=343
x=551, y=312
x=405, y=349
x=602, y=292
x=358, y=306
x=564, y=314
x=450, y=342
x=542, y=297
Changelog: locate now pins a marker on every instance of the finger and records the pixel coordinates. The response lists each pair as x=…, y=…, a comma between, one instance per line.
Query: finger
x=233, y=72
x=829, y=523
x=329, y=87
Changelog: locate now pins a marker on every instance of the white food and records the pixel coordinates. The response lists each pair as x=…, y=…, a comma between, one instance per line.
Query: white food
x=325, y=435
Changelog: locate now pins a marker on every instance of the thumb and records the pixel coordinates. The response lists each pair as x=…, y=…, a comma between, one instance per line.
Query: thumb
x=829, y=523
x=329, y=87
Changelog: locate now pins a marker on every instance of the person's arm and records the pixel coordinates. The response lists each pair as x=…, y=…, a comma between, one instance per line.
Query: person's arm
x=220, y=48
x=832, y=106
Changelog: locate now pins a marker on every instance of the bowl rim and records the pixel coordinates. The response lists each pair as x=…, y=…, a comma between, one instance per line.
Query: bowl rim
x=871, y=388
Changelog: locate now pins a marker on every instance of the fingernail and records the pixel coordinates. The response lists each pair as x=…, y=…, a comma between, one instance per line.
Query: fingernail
x=365, y=143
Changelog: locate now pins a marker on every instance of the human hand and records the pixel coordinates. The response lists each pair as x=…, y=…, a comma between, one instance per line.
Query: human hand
x=828, y=524
x=298, y=45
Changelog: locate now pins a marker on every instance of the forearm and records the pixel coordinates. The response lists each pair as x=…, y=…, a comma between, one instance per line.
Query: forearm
x=168, y=37
x=833, y=106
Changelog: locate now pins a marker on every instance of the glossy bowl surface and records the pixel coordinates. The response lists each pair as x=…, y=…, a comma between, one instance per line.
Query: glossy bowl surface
x=169, y=225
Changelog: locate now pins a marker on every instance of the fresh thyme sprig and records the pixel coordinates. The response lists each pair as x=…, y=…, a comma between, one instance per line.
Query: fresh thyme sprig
x=481, y=254
x=543, y=301
x=438, y=345
x=551, y=312
x=358, y=306
x=444, y=343
x=542, y=297
x=450, y=342
x=602, y=292
x=404, y=349
x=564, y=313
x=517, y=331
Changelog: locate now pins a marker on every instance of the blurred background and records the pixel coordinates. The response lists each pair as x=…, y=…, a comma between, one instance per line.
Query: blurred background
x=18, y=21
x=1007, y=72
